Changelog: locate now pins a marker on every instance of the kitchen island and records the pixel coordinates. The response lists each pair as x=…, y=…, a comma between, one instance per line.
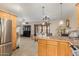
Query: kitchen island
x=55, y=46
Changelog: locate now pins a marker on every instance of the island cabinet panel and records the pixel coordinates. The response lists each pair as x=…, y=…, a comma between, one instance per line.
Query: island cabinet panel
x=41, y=41
x=42, y=48
x=68, y=51
x=53, y=48
x=62, y=49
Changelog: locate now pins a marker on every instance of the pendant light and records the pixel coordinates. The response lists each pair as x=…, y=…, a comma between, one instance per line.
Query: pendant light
x=45, y=18
x=61, y=21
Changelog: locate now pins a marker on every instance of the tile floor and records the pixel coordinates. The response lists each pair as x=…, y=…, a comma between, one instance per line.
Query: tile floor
x=28, y=47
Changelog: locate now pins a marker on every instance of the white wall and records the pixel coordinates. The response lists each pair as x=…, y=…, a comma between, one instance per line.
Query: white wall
x=53, y=26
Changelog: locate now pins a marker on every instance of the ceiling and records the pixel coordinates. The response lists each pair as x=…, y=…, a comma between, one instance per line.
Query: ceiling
x=33, y=11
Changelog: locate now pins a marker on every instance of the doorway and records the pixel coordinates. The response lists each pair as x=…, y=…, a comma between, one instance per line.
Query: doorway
x=26, y=30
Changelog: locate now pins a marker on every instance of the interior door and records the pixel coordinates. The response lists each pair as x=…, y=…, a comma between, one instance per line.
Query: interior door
x=27, y=30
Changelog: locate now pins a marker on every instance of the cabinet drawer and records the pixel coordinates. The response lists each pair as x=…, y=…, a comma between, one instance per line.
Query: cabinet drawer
x=52, y=42
x=41, y=41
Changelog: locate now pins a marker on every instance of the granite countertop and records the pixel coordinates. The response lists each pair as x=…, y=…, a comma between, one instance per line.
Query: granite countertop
x=72, y=41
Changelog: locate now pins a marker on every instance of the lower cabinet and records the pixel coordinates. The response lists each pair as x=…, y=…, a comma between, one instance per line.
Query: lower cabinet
x=42, y=47
x=53, y=48
x=62, y=49
x=42, y=50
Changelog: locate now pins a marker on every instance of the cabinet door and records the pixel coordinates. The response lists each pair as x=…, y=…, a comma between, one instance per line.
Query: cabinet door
x=42, y=47
x=51, y=50
x=68, y=50
x=63, y=49
x=41, y=50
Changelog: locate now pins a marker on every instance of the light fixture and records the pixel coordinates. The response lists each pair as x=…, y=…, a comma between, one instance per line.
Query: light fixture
x=61, y=21
x=45, y=18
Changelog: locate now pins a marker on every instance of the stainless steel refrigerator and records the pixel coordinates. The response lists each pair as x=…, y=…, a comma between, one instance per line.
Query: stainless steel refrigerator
x=5, y=37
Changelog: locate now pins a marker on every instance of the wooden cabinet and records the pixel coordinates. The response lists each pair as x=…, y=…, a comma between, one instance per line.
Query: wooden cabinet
x=62, y=48
x=53, y=48
x=13, y=18
x=42, y=48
